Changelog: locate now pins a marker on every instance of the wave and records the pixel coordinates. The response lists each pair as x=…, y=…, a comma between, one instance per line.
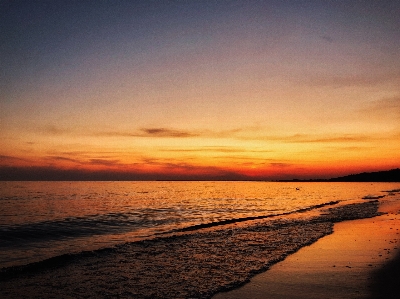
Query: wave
x=237, y=220
x=196, y=264
x=77, y=227
x=112, y=223
x=33, y=242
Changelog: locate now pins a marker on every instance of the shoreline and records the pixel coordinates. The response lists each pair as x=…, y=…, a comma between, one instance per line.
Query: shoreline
x=360, y=259
x=195, y=265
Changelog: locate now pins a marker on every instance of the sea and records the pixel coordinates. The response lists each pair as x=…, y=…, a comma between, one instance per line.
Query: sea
x=159, y=239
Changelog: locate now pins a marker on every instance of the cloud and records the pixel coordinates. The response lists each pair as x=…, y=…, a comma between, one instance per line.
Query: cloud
x=383, y=109
x=88, y=154
x=351, y=80
x=236, y=133
x=280, y=165
x=61, y=158
x=104, y=162
x=52, y=129
x=150, y=132
x=213, y=149
x=4, y=160
x=334, y=139
x=4, y=157
x=164, y=132
x=83, y=162
x=309, y=138
x=378, y=109
x=144, y=132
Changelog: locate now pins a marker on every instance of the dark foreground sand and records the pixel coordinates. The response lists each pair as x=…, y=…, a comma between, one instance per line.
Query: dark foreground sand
x=360, y=259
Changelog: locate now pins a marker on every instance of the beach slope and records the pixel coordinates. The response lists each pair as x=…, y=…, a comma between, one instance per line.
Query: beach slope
x=359, y=260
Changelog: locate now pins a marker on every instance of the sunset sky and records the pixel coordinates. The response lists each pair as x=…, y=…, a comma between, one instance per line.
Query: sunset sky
x=199, y=89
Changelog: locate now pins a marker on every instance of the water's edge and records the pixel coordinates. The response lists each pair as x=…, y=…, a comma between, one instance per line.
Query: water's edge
x=198, y=264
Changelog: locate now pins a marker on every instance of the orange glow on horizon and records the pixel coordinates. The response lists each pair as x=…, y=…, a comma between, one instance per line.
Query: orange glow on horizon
x=256, y=90
x=204, y=167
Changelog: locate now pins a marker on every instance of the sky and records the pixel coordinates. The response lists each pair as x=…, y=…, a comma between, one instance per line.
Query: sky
x=198, y=89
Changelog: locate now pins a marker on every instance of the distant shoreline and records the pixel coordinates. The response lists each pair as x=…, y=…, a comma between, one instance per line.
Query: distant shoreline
x=50, y=174
x=390, y=176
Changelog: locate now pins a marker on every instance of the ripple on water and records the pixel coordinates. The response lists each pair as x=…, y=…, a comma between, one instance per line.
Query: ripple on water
x=193, y=265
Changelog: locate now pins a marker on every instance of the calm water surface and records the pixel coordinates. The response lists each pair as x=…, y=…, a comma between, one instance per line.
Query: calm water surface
x=39, y=220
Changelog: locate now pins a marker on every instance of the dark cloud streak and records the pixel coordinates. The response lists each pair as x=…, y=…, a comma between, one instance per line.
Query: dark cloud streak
x=216, y=149
x=163, y=132
x=11, y=159
x=308, y=138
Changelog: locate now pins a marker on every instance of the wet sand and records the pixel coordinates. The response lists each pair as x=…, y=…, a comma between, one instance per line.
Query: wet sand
x=361, y=259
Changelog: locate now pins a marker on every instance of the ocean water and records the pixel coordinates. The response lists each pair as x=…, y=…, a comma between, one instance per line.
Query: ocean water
x=138, y=231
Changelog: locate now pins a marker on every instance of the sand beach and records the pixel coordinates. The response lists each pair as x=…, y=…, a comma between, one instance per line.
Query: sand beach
x=361, y=259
